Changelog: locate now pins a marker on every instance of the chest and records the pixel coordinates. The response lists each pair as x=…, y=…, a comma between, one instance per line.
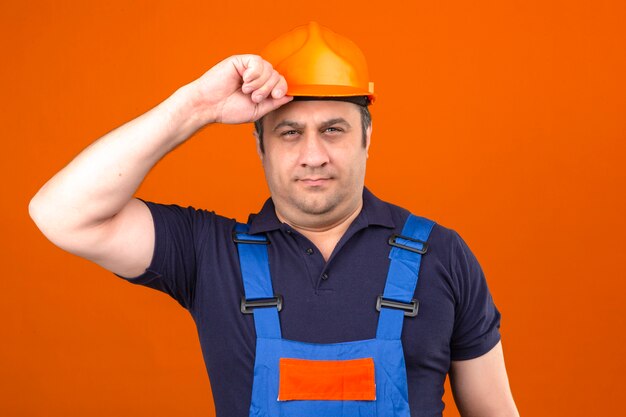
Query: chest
x=327, y=301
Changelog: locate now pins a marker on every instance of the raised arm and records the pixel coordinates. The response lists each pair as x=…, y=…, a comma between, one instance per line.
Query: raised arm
x=88, y=207
x=481, y=387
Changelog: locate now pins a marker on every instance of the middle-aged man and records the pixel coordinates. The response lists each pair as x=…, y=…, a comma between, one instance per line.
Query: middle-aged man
x=340, y=325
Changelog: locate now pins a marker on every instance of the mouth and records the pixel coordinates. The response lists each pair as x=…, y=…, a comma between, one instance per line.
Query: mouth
x=315, y=181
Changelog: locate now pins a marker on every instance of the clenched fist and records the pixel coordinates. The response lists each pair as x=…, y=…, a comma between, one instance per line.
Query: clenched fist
x=239, y=89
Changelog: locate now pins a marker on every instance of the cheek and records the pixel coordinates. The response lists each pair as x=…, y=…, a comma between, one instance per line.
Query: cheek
x=276, y=167
x=356, y=163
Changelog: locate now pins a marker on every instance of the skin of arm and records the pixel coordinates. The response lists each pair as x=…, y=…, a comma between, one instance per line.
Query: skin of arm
x=88, y=208
x=481, y=387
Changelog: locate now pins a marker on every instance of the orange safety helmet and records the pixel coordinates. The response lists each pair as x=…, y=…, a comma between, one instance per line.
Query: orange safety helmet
x=317, y=62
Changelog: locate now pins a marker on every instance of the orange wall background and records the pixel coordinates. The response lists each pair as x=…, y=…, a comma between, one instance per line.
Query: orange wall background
x=504, y=120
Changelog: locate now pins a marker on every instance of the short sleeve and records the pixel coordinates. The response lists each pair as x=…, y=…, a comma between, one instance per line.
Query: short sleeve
x=173, y=266
x=477, y=320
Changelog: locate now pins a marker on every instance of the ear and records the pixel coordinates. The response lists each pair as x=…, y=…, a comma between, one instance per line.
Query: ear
x=368, y=134
x=258, y=145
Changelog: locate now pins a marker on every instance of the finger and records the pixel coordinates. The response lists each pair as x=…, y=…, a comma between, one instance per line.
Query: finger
x=270, y=104
x=247, y=66
x=267, y=88
x=259, y=78
x=252, y=67
x=280, y=89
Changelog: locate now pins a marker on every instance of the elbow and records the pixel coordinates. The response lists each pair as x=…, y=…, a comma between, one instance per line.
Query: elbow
x=62, y=227
x=35, y=211
x=51, y=226
x=42, y=219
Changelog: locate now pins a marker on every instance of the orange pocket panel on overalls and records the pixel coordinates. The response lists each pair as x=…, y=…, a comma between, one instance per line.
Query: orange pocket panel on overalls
x=302, y=379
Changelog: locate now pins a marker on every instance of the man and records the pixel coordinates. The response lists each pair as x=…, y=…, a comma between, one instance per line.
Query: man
x=317, y=342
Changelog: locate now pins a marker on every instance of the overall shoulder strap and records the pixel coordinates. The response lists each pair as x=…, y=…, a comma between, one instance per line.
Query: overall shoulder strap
x=259, y=295
x=406, y=256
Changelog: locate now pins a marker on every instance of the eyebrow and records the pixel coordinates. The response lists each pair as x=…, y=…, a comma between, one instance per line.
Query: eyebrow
x=323, y=125
x=335, y=121
x=289, y=123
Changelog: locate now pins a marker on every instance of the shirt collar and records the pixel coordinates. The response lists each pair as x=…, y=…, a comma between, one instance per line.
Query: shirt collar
x=375, y=212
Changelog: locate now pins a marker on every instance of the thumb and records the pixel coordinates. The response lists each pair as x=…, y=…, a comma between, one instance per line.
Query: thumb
x=271, y=104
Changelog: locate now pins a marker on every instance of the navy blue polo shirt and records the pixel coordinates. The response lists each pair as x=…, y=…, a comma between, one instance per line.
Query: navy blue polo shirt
x=196, y=262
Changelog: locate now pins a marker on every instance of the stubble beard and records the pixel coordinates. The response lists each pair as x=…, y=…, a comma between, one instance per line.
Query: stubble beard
x=317, y=202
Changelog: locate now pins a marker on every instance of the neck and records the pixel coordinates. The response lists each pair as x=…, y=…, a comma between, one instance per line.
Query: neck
x=325, y=236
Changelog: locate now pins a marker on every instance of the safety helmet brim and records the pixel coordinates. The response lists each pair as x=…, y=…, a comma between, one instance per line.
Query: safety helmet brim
x=327, y=91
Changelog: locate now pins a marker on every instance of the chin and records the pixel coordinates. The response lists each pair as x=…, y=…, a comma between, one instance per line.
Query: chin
x=318, y=205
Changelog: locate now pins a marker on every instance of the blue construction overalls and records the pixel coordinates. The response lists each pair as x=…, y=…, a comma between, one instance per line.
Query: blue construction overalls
x=361, y=378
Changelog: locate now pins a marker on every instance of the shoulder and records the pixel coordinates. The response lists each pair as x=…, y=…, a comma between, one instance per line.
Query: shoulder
x=196, y=222
x=447, y=250
x=442, y=239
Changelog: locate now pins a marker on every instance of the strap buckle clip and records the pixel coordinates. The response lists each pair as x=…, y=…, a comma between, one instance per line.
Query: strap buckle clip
x=239, y=237
x=393, y=241
x=248, y=305
x=410, y=308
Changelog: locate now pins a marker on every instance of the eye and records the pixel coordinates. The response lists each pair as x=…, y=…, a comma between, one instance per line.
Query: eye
x=289, y=133
x=333, y=130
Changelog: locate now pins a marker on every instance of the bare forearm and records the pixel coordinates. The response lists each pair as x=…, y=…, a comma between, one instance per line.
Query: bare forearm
x=481, y=386
x=88, y=209
x=101, y=180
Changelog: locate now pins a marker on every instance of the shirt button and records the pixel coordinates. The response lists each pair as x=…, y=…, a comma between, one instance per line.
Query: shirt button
x=309, y=251
x=324, y=276
x=288, y=231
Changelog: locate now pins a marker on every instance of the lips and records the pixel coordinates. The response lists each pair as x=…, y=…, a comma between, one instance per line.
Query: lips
x=314, y=181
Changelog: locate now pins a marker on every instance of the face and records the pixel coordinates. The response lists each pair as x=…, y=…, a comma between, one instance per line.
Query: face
x=314, y=161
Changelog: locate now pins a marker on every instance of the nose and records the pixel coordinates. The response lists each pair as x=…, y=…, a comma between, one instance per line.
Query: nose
x=313, y=153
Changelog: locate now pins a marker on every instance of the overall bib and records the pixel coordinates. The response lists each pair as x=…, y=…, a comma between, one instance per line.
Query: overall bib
x=364, y=378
